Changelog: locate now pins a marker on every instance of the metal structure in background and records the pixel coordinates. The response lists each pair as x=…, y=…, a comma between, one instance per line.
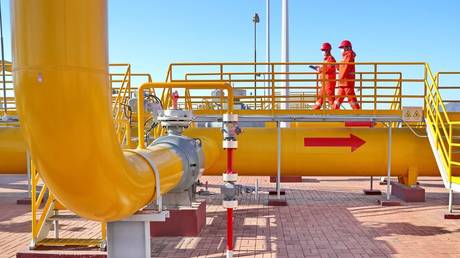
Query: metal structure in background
x=267, y=40
x=5, y=105
x=384, y=89
x=285, y=53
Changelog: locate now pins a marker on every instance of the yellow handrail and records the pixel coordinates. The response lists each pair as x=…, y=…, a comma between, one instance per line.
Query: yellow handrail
x=373, y=82
x=123, y=94
x=439, y=122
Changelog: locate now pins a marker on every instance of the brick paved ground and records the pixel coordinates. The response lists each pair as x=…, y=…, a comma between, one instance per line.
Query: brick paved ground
x=327, y=217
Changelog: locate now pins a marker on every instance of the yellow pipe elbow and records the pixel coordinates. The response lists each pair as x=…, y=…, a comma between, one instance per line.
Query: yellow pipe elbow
x=63, y=101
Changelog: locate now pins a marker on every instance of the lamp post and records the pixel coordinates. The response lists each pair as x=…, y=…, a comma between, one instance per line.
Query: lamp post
x=285, y=56
x=267, y=42
x=255, y=20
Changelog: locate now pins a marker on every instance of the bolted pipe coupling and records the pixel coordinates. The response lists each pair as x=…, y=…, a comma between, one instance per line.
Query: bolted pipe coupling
x=191, y=152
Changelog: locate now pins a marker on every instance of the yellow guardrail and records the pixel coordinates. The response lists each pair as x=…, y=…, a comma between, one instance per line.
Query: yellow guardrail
x=395, y=103
x=119, y=104
x=167, y=87
x=381, y=88
x=7, y=89
x=438, y=121
x=123, y=90
x=449, y=86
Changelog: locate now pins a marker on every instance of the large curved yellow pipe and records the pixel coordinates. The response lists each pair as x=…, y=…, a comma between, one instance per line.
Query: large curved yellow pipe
x=60, y=71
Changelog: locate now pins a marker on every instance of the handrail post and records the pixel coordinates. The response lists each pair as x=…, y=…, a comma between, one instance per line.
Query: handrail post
x=361, y=90
x=450, y=151
x=221, y=72
x=273, y=88
x=425, y=76
x=129, y=80
x=255, y=86
x=436, y=109
x=375, y=87
x=400, y=91
x=169, y=73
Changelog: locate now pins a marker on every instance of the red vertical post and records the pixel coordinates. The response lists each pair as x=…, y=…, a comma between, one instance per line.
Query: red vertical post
x=229, y=161
x=229, y=210
x=230, y=229
x=230, y=130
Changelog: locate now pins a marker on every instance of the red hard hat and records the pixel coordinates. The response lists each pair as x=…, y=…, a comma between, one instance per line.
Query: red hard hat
x=345, y=43
x=326, y=46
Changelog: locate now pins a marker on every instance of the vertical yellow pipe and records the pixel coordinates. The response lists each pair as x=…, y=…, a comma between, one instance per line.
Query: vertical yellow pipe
x=63, y=100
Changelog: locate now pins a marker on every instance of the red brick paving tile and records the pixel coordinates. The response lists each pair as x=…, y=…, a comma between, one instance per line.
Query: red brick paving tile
x=331, y=218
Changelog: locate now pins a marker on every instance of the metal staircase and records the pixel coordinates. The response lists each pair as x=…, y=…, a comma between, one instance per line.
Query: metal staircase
x=444, y=136
x=47, y=218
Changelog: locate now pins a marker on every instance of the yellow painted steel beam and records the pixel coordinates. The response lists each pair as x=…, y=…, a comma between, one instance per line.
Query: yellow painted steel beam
x=257, y=152
x=63, y=100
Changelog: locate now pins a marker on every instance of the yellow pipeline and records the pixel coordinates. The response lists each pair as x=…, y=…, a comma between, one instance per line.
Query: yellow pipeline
x=12, y=151
x=257, y=152
x=63, y=101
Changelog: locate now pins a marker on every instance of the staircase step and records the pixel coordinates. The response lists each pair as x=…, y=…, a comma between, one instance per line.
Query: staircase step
x=69, y=242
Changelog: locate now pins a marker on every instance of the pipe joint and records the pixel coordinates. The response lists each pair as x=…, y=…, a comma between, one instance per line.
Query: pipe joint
x=191, y=153
x=230, y=193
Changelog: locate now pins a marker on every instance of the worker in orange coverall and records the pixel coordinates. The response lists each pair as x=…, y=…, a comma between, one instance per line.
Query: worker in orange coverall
x=346, y=77
x=327, y=76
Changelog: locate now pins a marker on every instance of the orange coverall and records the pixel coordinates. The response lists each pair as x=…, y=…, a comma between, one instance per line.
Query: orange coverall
x=347, y=81
x=328, y=84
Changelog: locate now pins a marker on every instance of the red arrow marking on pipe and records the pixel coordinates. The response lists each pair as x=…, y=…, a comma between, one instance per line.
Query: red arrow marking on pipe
x=353, y=141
